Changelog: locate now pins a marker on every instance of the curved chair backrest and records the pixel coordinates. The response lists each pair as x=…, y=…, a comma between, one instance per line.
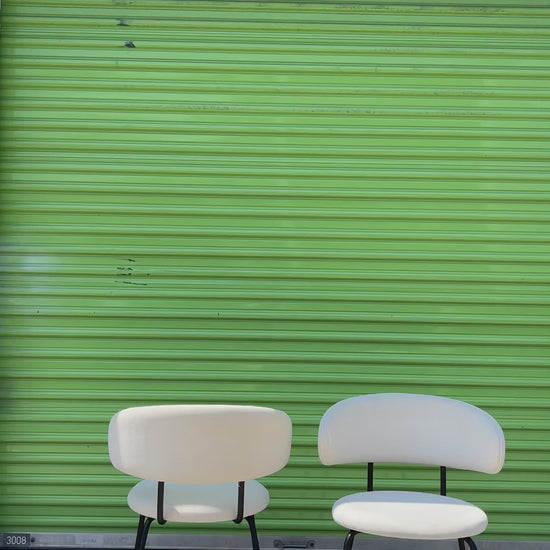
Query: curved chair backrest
x=201, y=444
x=412, y=429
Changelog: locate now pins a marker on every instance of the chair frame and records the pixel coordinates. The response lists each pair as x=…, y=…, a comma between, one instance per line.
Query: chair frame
x=348, y=542
x=144, y=522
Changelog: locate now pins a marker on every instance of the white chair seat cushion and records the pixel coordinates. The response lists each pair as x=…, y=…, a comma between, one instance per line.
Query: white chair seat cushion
x=197, y=503
x=410, y=515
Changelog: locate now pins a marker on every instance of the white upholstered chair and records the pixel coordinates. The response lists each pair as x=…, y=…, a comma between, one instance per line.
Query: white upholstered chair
x=410, y=429
x=198, y=463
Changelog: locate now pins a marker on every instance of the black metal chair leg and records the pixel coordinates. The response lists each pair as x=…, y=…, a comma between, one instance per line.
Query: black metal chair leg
x=139, y=533
x=253, y=532
x=142, y=532
x=470, y=543
x=348, y=543
x=461, y=545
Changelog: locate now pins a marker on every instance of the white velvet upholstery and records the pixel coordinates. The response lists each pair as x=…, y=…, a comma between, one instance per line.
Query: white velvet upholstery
x=198, y=503
x=409, y=515
x=199, y=443
x=413, y=429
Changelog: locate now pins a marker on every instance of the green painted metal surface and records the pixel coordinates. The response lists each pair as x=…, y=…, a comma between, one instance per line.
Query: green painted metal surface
x=271, y=203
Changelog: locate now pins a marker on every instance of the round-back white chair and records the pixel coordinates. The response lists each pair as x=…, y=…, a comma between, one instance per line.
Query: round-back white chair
x=198, y=463
x=410, y=429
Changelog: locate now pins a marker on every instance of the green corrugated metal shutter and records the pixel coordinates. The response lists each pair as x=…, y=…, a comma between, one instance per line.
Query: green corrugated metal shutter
x=273, y=203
